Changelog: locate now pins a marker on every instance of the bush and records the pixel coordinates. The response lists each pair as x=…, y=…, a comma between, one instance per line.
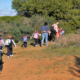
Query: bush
x=24, y=30
x=18, y=33
x=18, y=25
x=15, y=32
x=68, y=40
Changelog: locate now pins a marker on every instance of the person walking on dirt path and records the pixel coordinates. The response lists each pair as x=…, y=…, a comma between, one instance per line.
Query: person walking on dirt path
x=25, y=40
x=8, y=44
x=1, y=52
x=1, y=46
x=1, y=62
x=44, y=31
x=1, y=42
x=54, y=30
x=35, y=36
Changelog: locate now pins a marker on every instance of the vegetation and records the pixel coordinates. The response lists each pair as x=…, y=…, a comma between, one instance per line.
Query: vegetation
x=59, y=57
x=66, y=10
x=37, y=12
x=17, y=26
x=60, y=9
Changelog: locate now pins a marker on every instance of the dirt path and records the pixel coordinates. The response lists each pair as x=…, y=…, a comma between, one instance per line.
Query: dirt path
x=26, y=68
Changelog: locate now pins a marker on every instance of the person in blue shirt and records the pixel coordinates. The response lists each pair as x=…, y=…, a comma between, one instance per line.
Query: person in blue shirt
x=25, y=40
x=44, y=31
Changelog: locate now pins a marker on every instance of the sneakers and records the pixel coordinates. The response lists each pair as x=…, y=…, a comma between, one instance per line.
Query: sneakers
x=46, y=45
x=51, y=41
x=7, y=56
x=11, y=55
x=35, y=45
x=0, y=72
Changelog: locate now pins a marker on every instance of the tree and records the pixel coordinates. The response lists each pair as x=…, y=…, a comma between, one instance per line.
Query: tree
x=59, y=9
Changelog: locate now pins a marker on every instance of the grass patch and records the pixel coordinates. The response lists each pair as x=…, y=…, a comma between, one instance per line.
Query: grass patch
x=27, y=59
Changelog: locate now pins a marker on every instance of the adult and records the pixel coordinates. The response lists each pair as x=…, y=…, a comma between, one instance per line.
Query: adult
x=54, y=30
x=44, y=31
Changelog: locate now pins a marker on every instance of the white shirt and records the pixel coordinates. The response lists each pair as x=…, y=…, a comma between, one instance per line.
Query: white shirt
x=9, y=40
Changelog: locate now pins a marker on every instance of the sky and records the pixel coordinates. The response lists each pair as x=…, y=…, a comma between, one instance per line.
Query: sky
x=6, y=9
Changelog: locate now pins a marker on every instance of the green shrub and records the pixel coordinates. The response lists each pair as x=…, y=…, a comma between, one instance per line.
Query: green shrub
x=18, y=33
x=15, y=32
x=18, y=26
x=25, y=29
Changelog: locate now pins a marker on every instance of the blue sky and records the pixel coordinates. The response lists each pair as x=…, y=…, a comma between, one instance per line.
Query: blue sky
x=6, y=9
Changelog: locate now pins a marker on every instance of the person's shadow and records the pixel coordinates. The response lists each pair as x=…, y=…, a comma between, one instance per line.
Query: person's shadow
x=39, y=43
x=6, y=53
x=76, y=69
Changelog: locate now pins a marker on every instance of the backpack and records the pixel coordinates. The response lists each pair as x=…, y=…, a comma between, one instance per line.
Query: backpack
x=0, y=56
x=1, y=43
x=62, y=31
x=7, y=43
x=57, y=35
x=35, y=35
x=52, y=28
x=24, y=38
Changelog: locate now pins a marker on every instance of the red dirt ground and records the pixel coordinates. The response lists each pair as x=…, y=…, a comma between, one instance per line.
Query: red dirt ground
x=26, y=68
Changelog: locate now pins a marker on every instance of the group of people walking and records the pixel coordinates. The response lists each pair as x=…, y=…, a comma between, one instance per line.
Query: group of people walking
x=45, y=32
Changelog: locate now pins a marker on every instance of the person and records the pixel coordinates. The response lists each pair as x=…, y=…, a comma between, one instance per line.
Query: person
x=8, y=44
x=1, y=52
x=58, y=33
x=35, y=36
x=1, y=46
x=61, y=31
x=54, y=30
x=1, y=63
x=25, y=40
x=44, y=31
x=1, y=42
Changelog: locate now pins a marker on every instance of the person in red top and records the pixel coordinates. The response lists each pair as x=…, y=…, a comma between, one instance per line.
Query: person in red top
x=58, y=33
x=54, y=30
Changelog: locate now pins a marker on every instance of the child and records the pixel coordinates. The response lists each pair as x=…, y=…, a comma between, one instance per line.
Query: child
x=1, y=63
x=8, y=44
x=25, y=40
x=1, y=52
x=61, y=31
x=35, y=36
x=1, y=42
x=1, y=46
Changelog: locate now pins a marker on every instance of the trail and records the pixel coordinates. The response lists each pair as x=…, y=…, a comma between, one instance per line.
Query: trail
x=26, y=68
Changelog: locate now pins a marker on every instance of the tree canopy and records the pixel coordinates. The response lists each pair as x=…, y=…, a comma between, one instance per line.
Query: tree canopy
x=60, y=9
